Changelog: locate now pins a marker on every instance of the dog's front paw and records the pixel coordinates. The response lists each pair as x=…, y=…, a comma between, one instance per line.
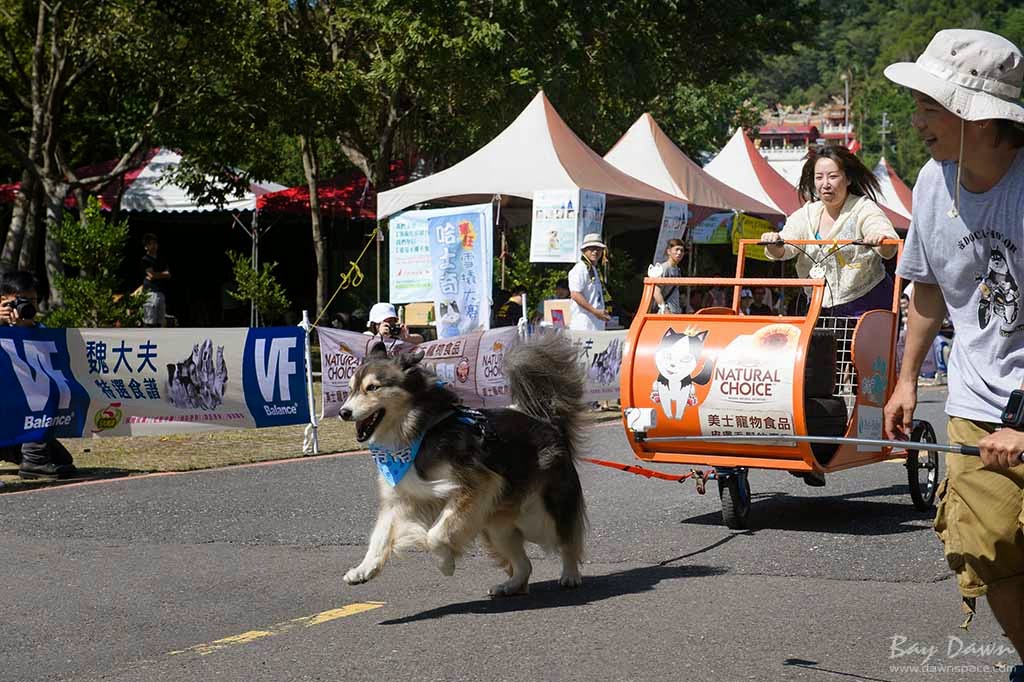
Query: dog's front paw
x=361, y=574
x=570, y=579
x=509, y=589
x=445, y=560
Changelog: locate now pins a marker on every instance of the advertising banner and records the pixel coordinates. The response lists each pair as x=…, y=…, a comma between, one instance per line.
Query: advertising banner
x=752, y=385
x=554, y=231
x=673, y=226
x=473, y=364
x=714, y=229
x=410, y=278
x=749, y=227
x=600, y=356
x=591, y=214
x=444, y=256
x=69, y=383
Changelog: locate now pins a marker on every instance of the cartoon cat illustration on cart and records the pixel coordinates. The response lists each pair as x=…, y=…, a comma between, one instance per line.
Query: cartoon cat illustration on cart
x=677, y=358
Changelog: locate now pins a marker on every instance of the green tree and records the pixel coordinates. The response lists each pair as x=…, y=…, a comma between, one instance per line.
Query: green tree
x=94, y=247
x=259, y=287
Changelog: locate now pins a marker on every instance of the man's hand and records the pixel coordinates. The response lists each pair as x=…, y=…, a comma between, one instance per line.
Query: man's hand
x=602, y=314
x=899, y=411
x=1002, y=449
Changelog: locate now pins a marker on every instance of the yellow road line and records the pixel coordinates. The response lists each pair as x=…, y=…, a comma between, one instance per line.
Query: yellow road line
x=303, y=621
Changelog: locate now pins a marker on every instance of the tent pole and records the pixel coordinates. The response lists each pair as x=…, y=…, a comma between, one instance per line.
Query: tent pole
x=501, y=230
x=380, y=238
x=254, y=317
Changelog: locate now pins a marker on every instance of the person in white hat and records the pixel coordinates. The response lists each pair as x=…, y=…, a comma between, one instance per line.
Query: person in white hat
x=384, y=323
x=965, y=253
x=586, y=288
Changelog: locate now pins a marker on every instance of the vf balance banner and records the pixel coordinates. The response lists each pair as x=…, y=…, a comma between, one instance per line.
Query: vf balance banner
x=70, y=383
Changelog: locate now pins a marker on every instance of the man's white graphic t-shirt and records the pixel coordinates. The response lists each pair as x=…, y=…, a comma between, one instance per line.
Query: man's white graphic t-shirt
x=977, y=259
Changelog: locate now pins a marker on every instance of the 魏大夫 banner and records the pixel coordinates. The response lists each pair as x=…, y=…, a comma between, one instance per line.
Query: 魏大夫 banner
x=68, y=383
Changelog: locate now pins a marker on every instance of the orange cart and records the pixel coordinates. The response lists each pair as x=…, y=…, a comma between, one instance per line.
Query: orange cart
x=793, y=393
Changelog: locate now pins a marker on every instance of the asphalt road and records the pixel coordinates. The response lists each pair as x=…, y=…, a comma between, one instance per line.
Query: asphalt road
x=236, y=575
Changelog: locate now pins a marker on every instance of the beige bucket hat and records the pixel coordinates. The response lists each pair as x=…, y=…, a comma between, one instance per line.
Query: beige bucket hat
x=976, y=75
x=592, y=239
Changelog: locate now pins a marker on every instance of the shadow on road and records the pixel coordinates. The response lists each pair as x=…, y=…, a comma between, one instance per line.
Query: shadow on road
x=849, y=514
x=548, y=595
x=813, y=665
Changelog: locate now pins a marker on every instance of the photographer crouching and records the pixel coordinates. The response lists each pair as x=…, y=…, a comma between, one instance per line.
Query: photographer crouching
x=48, y=460
x=384, y=323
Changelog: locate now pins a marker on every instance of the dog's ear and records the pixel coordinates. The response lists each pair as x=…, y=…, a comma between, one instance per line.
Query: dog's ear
x=378, y=351
x=410, y=359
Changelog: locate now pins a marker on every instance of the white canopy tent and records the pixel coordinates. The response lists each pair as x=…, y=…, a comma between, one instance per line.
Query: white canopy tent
x=648, y=154
x=895, y=194
x=538, y=151
x=147, y=188
x=740, y=166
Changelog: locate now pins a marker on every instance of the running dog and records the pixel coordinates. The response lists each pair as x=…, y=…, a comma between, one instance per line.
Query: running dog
x=448, y=474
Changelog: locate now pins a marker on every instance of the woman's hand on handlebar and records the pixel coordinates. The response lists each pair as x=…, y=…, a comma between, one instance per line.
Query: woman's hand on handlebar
x=771, y=238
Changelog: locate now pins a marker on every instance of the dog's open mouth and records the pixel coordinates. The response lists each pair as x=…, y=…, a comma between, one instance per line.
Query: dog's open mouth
x=365, y=427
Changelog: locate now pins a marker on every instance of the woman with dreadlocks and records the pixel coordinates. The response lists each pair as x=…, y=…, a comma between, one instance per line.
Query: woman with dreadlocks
x=586, y=287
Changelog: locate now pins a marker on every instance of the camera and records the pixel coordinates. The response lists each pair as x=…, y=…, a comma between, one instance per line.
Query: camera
x=25, y=308
x=394, y=330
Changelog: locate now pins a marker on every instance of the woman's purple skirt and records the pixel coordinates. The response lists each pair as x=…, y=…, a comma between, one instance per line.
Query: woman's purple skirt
x=879, y=298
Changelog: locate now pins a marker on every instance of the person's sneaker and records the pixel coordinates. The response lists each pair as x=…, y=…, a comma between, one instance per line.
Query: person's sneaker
x=46, y=472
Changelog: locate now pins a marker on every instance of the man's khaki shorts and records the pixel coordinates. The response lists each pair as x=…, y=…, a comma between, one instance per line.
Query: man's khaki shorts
x=980, y=518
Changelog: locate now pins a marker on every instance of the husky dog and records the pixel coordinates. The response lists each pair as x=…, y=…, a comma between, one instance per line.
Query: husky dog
x=503, y=475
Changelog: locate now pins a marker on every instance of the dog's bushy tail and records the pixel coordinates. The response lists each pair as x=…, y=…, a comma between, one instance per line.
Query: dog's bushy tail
x=547, y=383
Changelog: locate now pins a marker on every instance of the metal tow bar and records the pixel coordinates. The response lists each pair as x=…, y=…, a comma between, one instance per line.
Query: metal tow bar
x=971, y=450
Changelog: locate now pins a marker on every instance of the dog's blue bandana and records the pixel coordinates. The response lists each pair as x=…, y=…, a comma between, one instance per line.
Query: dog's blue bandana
x=393, y=464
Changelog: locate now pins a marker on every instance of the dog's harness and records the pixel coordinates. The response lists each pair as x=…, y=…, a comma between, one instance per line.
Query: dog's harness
x=394, y=464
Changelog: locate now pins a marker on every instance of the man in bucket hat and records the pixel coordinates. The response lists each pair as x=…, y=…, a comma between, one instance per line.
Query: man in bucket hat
x=965, y=253
x=586, y=288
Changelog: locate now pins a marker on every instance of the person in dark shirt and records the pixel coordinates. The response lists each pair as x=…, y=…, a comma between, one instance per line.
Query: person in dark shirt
x=154, y=284
x=759, y=307
x=507, y=314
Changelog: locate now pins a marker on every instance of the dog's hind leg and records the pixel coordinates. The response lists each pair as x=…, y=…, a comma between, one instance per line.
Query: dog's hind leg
x=507, y=542
x=381, y=541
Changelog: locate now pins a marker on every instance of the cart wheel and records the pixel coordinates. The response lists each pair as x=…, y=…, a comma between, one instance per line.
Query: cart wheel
x=923, y=468
x=734, y=491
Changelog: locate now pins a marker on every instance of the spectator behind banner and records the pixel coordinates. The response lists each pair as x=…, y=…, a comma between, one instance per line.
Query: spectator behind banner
x=841, y=193
x=759, y=306
x=746, y=300
x=509, y=312
x=586, y=287
x=48, y=460
x=384, y=323
x=154, y=283
x=666, y=296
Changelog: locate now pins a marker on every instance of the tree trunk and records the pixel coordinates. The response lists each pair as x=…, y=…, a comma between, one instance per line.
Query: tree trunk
x=30, y=240
x=311, y=165
x=22, y=215
x=55, y=195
